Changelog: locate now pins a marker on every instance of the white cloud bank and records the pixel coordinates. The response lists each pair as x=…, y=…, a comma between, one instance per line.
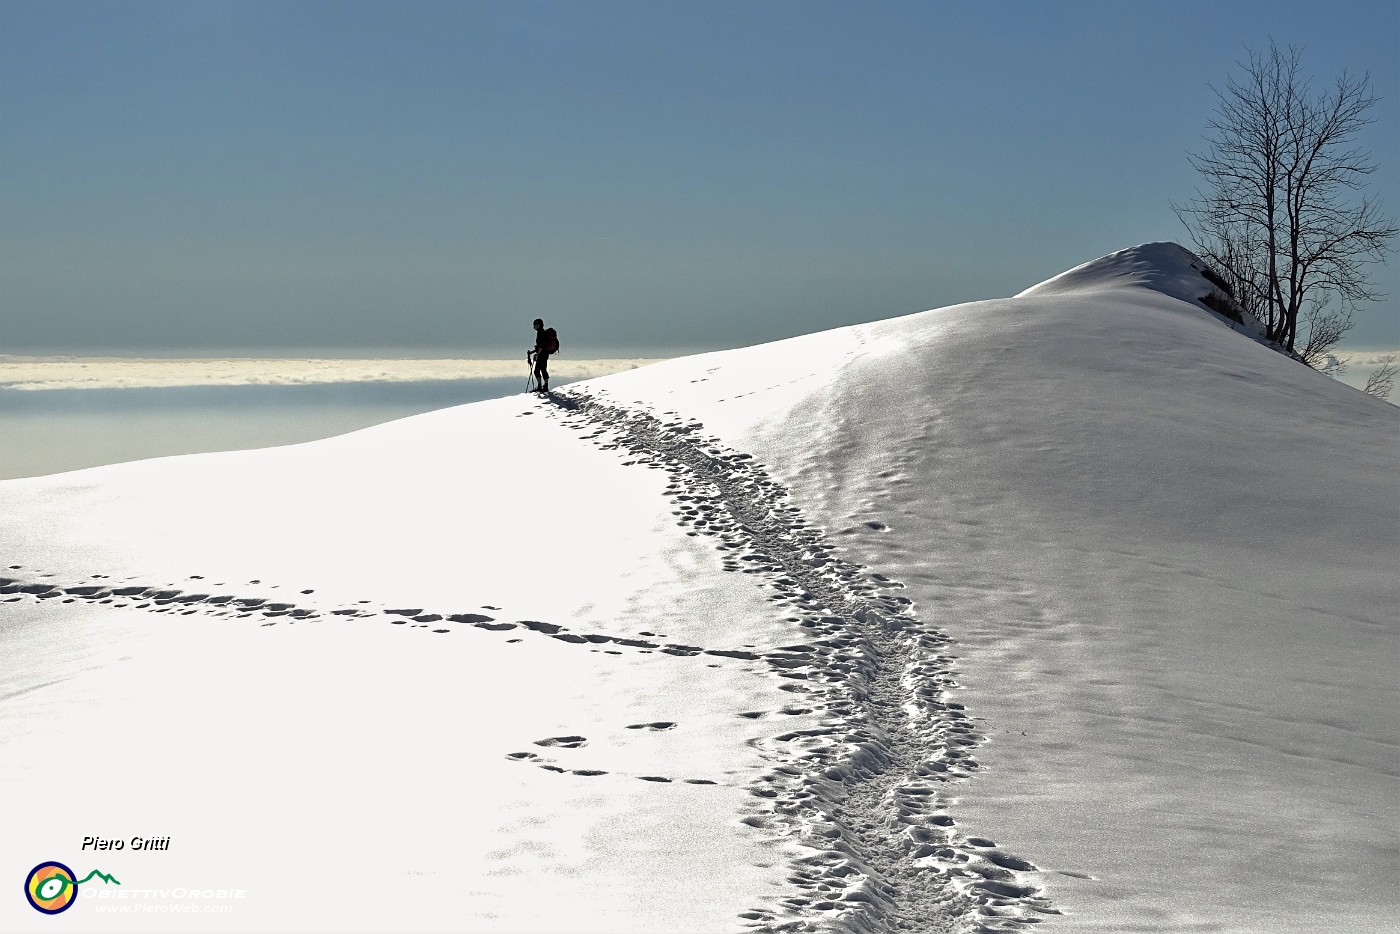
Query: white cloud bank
x=1369, y=358
x=40, y=373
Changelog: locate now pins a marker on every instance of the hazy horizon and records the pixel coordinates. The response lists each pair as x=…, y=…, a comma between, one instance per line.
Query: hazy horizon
x=112, y=373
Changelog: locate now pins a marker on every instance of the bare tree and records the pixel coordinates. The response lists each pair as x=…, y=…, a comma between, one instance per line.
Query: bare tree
x=1283, y=213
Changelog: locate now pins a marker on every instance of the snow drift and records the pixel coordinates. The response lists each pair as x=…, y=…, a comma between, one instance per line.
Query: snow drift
x=1074, y=607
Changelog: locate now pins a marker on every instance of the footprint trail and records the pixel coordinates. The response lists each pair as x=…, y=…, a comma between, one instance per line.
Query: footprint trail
x=860, y=800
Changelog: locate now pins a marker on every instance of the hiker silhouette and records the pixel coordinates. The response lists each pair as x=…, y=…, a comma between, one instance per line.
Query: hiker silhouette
x=546, y=343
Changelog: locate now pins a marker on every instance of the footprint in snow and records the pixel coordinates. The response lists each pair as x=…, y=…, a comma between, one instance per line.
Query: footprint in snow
x=563, y=742
x=549, y=765
x=574, y=742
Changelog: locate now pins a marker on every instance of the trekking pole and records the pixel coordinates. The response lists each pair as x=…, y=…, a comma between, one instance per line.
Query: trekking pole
x=530, y=374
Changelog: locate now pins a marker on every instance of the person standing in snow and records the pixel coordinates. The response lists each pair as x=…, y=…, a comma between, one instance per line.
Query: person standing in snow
x=545, y=344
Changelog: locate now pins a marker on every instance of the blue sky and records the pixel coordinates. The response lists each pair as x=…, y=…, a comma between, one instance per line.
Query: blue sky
x=237, y=176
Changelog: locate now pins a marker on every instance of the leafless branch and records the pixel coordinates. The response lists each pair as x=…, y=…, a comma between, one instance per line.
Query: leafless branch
x=1381, y=382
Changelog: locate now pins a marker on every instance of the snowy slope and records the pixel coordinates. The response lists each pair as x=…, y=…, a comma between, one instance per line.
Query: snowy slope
x=1075, y=607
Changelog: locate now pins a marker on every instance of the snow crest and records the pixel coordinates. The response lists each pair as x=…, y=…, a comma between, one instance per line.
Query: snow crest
x=1165, y=267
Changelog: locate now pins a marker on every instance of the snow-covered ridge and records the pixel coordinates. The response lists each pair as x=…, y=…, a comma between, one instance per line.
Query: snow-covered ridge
x=1071, y=607
x=1167, y=267
x=1164, y=267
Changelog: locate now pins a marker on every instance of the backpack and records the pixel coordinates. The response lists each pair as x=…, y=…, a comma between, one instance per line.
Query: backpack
x=551, y=341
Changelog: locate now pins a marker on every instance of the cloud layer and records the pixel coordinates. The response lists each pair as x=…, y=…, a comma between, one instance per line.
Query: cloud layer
x=42, y=373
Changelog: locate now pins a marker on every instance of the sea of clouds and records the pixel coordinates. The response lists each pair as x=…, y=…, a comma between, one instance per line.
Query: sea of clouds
x=66, y=372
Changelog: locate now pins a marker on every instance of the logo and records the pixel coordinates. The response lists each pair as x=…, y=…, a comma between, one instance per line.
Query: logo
x=52, y=887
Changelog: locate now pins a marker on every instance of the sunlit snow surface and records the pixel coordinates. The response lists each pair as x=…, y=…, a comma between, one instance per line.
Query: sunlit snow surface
x=1076, y=607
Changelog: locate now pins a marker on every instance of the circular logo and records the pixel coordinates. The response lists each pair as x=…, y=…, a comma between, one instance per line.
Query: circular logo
x=50, y=887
